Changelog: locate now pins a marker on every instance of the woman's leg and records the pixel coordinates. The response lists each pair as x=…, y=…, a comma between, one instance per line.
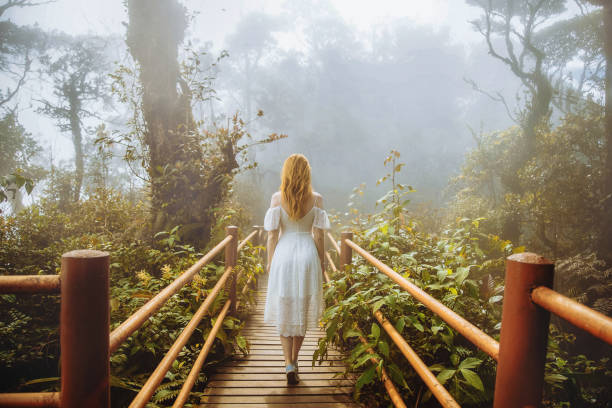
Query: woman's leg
x=287, y=344
x=295, y=348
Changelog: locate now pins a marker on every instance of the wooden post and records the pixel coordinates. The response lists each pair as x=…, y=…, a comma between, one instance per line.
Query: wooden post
x=84, y=330
x=346, y=252
x=231, y=255
x=257, y=238
x=524, y=333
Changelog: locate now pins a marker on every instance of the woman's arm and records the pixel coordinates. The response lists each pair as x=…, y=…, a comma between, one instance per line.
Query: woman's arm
x=272, y=235
x=319, y=236
x=272, y=241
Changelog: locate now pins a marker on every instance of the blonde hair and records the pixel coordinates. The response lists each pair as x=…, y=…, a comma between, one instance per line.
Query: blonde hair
x=295, y=183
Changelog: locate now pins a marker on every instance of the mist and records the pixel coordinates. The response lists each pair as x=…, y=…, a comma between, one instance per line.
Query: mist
x=344, y=94
x=447, y=138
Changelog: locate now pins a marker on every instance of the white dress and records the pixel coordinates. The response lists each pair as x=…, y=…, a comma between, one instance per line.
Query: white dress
x=294, y=300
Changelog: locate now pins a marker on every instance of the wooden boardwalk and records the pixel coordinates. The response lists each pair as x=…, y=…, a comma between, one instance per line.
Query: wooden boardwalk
x=259, y=380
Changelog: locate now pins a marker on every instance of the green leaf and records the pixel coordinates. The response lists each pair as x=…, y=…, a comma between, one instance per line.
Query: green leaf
x=42, y=380
x=472, y=378
x=470, y=362
x=378, y=304
x=363, y=359
x=417, y=325
x=554, y=378
x=242, y=343
x=228, y=323
x=462, y=273
x=397, y=376
x=399, y=325
x=365, y=378
x=444, y=376
x=350, y=333
x=375, y=331
x=384, y=348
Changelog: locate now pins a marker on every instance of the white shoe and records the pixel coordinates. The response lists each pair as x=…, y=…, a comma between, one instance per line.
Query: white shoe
x=291, y=374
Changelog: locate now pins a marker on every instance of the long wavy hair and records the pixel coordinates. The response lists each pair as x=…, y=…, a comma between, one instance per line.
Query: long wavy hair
x=295, y=183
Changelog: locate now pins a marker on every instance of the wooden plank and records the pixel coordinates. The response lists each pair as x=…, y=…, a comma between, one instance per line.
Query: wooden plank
x=259, y=379
x=279, y=352
x=276, y=399
x=304, y=376
x=278, y=383
x=293, y=405
x=281, y=363
x=279, y=357
x=273, y=333
x=306, y=348
x=274, y=341
x=267, y=369
x=282, y=390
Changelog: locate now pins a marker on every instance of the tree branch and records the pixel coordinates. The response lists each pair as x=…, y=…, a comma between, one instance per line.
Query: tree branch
x=21, y=81
x=498, y=97
x=21, y=3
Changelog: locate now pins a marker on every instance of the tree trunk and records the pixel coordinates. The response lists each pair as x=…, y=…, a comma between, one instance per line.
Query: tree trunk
x=178, y=187
x=77, y=137
x=605, y=249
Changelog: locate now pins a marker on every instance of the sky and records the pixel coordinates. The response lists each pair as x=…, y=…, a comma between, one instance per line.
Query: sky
x=213, y=21
x=438, y=40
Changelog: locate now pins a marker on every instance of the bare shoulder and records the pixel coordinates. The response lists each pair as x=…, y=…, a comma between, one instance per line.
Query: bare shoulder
x=275, y=201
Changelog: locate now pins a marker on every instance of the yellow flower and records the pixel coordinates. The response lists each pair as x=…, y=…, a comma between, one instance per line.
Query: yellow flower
x=143, y=276
x=197, y=282
x=167, y=272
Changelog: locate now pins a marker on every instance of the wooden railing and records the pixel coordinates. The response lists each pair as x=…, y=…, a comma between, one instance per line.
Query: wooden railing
x=85, y=341
x=521, y=351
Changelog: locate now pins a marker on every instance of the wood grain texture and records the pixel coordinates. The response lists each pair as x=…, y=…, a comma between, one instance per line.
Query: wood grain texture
x=259, y=380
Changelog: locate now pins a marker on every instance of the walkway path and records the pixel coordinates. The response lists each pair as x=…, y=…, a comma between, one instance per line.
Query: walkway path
x=258, y=380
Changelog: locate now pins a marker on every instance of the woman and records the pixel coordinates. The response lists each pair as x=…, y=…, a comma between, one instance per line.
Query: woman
x=294, y=299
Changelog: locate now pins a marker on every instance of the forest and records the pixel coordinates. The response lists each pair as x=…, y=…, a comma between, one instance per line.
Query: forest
x=446, y=136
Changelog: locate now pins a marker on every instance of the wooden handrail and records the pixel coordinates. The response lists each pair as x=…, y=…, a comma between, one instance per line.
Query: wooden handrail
x=197, y=366
x=30, y=284
x=520, y=363
x=30, y=399
x=136, y=320
x=420, y=367
x=581, y=316
x=244, y=241
x=53, y=284
x=479, y=338
x=437, y=389
x=389, y=386
x=395, y=396
x=330, y=262
x=195, y=370
x=333, y=241
x=148, y=389
x=228, y=280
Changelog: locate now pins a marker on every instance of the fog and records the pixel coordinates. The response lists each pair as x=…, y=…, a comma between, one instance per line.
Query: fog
x=346, y=82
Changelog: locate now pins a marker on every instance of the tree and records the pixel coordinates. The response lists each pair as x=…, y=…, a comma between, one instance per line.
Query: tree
x=535, y=56
x=78, y=79
x=18, y=46
x=189, y=168
x=17, y=150
x=605, y=248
